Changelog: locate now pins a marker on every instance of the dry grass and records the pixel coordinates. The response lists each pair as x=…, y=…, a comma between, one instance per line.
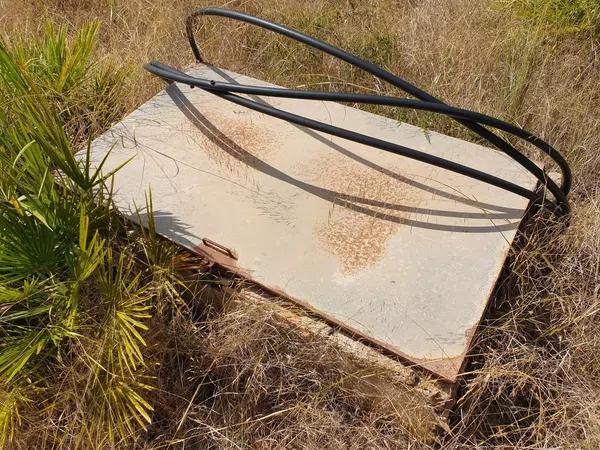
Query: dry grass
x=252, y=378
x=241, y=377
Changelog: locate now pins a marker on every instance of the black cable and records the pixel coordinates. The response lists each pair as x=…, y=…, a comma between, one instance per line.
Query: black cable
x=379, y=73
x=470, y=119
x=353, y=136
x=216, y=87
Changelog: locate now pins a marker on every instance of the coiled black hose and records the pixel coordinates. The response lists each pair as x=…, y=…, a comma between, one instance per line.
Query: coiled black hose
x=474, y=121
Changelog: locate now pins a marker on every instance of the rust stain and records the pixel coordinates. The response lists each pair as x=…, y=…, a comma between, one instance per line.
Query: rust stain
x=450, y=367
x=356, y=241
x=367, y=212
x=234, y=144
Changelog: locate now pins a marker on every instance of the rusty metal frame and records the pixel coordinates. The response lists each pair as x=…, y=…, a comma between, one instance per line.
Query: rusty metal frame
x=226, y=259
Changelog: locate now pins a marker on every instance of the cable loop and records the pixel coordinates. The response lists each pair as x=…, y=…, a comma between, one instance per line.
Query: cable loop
x=474, y=121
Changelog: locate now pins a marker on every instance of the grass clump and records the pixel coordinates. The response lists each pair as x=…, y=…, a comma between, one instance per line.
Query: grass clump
x=560, y=16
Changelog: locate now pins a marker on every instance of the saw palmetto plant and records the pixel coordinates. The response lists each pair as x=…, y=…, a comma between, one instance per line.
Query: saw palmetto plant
x=73, y=305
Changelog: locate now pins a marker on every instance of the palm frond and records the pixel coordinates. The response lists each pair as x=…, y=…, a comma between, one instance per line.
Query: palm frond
x=11, y=399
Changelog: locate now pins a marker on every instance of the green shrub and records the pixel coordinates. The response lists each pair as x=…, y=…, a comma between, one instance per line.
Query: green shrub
x=72, y=310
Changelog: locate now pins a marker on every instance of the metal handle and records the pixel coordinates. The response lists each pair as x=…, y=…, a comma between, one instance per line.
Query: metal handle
x=220, y=248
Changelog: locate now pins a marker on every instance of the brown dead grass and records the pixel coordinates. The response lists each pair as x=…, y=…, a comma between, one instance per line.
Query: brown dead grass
x=242, y=377
x=254, y=379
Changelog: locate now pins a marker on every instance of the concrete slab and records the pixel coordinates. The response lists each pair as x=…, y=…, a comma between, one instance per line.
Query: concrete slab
x=400, y=253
